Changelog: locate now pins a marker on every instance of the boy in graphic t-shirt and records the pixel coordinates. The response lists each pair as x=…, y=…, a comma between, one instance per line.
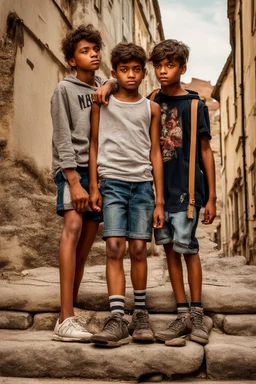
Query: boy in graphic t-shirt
x=169, y=58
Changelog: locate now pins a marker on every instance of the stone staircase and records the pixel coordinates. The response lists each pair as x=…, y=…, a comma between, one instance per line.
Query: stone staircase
x=29, y=305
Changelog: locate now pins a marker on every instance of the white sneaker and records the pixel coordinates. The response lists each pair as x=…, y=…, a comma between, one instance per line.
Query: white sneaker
x=71, y=330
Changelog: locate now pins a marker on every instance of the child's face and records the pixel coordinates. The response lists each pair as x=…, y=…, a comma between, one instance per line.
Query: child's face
x=87, y=56
x=168, y=72
x=129, y=75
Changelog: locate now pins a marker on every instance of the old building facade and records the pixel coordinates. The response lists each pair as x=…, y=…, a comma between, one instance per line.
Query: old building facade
x=32, y=37
x=236, y=91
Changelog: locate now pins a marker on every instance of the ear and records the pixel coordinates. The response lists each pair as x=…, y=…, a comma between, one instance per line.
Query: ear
x=183, y=69
x=72, y=62
x=113, y=73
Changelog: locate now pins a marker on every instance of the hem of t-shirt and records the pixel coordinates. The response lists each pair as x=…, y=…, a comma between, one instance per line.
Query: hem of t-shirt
x=205, y=132
x=176, y=209
x=127, y=179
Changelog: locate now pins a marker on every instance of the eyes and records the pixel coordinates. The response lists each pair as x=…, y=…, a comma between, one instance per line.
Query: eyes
x=87, y=50
x=136, y=69
x=158, y=66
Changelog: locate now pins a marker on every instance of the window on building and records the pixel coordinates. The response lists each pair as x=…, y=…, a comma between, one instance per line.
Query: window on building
x=236, y=215
x=253, y=8
x=97, y=5
x=228, y=114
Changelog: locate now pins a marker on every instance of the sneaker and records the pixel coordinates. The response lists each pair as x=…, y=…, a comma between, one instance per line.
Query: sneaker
x=181, y=326
x=142, y=331
x=114, y=333
x=71, y=330
x=199, y=332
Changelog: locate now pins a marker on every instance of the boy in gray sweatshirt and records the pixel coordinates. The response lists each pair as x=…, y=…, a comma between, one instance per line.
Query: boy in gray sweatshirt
x=70, y=109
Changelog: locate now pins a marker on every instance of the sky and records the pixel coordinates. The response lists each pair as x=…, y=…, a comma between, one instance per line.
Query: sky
x=203, y=26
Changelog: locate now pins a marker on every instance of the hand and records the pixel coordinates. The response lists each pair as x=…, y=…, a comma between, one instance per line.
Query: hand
x=158, y=217
x=79, y=197
x=209, y=212
x=95, y=200
x=102, y=94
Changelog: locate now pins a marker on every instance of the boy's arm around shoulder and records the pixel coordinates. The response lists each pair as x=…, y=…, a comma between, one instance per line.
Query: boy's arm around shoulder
x=95, y=196
x=157, y=164
x=209, y=167
x=101, y=96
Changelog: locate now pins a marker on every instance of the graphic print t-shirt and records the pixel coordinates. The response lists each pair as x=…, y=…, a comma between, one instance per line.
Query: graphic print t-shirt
x=175, y=147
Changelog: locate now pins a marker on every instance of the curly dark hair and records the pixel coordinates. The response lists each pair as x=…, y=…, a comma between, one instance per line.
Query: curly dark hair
x=172, y=50
x=125, y=52
x=83, y=32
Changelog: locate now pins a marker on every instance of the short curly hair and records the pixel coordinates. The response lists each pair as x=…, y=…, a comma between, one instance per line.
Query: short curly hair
x=125, y=52
x=172, y=50
x=83, y=32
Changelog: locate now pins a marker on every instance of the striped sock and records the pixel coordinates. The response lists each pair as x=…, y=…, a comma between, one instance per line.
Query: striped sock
x=139, y=299
x=182, y=307
x=117, y=304
x=196, y=304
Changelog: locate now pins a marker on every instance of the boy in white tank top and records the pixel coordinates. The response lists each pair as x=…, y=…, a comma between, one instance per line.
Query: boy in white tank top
x=125, y=154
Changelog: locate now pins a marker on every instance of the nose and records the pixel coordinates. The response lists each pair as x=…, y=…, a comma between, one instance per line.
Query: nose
x=162, y=70
x=130, y=73
x=94, y=53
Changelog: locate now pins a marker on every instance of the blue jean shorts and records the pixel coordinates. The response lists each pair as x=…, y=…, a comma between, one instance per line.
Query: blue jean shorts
x=180, y=231
x=127, y=209
x=64, y=202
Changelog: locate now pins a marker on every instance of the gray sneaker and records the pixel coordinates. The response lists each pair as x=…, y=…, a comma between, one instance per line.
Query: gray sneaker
x=114, y=333
x=142, y=331
x=181, y=326
x=199, y=332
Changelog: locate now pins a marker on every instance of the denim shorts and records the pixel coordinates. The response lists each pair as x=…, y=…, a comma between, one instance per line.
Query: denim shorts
x=127, y=209
x=64, y=202
x=180, y=231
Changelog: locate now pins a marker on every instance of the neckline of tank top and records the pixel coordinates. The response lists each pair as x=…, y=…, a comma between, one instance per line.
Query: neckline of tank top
x=128, y=102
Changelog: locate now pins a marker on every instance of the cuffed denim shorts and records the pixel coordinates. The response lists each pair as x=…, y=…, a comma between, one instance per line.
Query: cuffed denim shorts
x=64, y=202
x=127, y=209
x=180, y=231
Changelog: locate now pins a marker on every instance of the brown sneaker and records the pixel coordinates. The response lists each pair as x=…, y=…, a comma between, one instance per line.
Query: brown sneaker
x=142, y=331
x=181, y=326
x=199, y=332
x=114, y=333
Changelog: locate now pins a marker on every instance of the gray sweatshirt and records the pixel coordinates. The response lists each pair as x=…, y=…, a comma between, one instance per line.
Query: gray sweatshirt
x=71, y=109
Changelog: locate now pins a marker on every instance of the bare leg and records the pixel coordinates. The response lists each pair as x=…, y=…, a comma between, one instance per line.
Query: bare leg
x=194, y=276
x=175, y=273
x=115, y=248
x=139, y=266
x=67, y=260
x=87, y=237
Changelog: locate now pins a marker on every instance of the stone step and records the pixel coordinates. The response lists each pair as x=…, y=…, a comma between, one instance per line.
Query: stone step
x=229, y=286
x=34, y=354
x=15, y=380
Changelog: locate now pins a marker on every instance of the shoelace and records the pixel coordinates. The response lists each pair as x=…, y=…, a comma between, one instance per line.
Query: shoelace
x=197, y=319
x=111, y=323
x=175, y=325
x=141, y=321
x=76, y=325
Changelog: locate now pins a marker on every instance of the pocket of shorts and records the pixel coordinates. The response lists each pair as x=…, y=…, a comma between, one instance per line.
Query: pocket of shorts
x=150, y=189
x=103, y=183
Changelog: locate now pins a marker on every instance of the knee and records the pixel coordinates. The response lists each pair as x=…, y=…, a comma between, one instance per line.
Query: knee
x=115, y=250
x=72, y=230
x=138, y=252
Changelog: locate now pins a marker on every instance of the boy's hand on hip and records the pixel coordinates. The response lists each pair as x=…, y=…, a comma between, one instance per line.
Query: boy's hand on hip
x=95, y=201
x=158, y=217
x=80, y=198
x=209, y=212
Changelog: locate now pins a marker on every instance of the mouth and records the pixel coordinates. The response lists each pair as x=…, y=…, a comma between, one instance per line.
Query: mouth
x=162, y=79
x=95, y=62
x=131, y=82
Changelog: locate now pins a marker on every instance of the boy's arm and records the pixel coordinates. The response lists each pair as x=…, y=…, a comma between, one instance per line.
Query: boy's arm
x=63, y=144
x=95, y=196
x=209, y=166
x=102, y=94
x=157, y=164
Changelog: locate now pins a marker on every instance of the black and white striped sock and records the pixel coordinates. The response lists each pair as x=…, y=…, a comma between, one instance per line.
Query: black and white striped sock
x=117, y=304
x=182, y=307
x=140, y=299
